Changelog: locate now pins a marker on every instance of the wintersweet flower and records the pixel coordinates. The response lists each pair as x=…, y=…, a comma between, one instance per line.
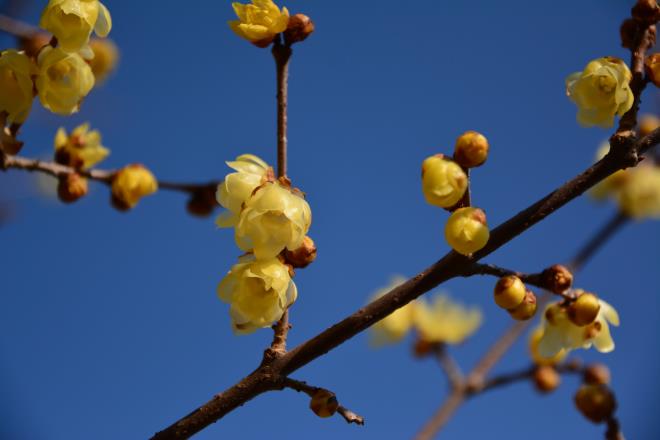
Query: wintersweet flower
x=259, y=22
x=394, y=327
x=639, y=198
x=274, y=218
x=258, y=291
x=237, y=187
x=106, y=57
x=445, y=321
x=560, y=333
x=16, y=71
x=467, y=231
x=64, y=80
x=72, y=22
x=534, y=339
x=130, y=184
x=601, y=91
x=82, y=149
x=443, y=181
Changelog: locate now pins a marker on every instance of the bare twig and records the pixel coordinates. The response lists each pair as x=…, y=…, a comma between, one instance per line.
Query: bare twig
x=449, y=365
x=303, y=387
x=534, y=279
x=17, y=28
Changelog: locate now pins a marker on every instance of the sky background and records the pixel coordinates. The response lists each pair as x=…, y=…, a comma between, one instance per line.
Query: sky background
x=109, y=323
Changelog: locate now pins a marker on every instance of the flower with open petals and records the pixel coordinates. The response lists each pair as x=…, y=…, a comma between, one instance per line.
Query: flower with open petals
x=534, y=339
x=639, y=198
x=16, y=71
x=601, y=91
x=258, y=291
x=394, y=327
x=274, y=218
x=72, y=22
x=560, y=333
x=130, y=184
x=237, y=187
x=259, y=22
x=82, y=149
x=445, y=321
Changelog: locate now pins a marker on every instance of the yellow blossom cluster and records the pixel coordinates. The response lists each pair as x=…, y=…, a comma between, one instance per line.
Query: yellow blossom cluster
x=441, y=321
x=269, y=219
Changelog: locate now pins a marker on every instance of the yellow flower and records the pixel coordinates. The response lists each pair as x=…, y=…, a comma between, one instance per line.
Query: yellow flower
x=237, y=187
x=274, y=218
x=611, y=184
x=445, y=321
x=601, y=91
x=639, y=198
x=259, y=22
x=106, y=56
x=394, y=326
x=443, y=181
x=466, y=230
x=16, y=71
x=258, y=291
x=534, y=339
x=559, y=333
x=72, y=22
x=131, y=183
x=82, y=149
x=64, y=80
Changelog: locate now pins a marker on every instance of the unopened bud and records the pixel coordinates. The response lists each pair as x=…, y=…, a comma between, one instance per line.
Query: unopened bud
x=202, y=202
x=527, y=308
x=596, y=402
x=303, y=256
x=33, y=43
x=597, y=374
x=300, y=27
x=471, y=149
x=584, y=310
x=509, y=292
x=467, y=231
x=557, y=279
x=324, y=403
x=71, y=187
x=652, y=67
x=646, y=11
x=443, y=181
x=648, y=123
x=106, y=57
x=546, y=379
x=628, y=31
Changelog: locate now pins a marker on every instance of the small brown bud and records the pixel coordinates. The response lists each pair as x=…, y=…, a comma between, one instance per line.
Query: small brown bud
x=324, y=403
x=303, y=256
x=526, y=309
x=509, y=292
x=422, y=348
x=597, y=374
x=628, y=32
x=557, y=279
x=596, y=402
x=71, y=187
x=652, y=67
x=646, y=11
x=648, y=123
x=34, y=43
x=584, y=310
x=202, y=202
x=546, y=379
x=471, y=149
x=300, y=27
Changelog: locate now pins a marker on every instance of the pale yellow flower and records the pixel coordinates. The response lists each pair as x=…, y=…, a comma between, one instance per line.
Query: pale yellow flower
x=82, y=149
x=601, y=91
x=16, y=72
x=639, y=198
x=394, y=327
x=237, y=187
x=131, y=183
x=258, y=291
x=560, y=333
x=445, y=321
x=534, y=339
x=259, y=22
x=72, y=22
x=273, y=218
x=106, y=57
x=64, y=80
x=443, y=181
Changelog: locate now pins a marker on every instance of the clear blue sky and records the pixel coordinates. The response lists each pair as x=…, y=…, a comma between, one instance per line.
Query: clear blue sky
x=109, y=323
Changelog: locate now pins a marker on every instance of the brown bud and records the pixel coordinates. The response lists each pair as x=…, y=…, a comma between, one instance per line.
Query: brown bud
x=557, y=279
x=628, y=31
x=32, y=44
x=526, y=309
x=584, y=310
x=597, y=374
x=422, y=348
x=652, y=67
x=324, y=403
x=71, y=187
x=646, y=11
x=202, y=202
x=546, y=379
x=596, y=402
x=471, y=149
x=300, y=27
x=303, y=256
x=648, y=123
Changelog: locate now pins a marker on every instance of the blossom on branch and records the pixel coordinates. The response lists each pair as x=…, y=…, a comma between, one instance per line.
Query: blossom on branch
x=445, y=321
x=395, y=326
x=81, y=149
x=72, y=22
x=259, y=22
x=639, y=198
x=443, y=181
x=16, y=71
x=466, y=230
x=130, y=184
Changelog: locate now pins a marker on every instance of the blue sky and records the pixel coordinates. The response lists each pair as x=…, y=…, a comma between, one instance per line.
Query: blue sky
x=109, y=323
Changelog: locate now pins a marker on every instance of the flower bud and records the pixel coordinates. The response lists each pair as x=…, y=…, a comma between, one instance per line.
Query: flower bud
x=546, y=379
x=299, y=28
x=202, y=202
x=324, y=403
x=471, y=149
x=302, y=256
x=130, y=184
x=628, y=32
x=597, y=374
x=71, y=187
x=526, y=309
x=646, y=11
x=648, y=123
x=443, y=181
x=467, y=231
x=557, y=279
x=509, y=292
x=106, y=57
x=652, y=67
x=584, y=310
x=596, y=402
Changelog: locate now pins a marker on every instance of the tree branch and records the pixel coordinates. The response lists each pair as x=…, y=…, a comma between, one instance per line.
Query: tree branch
x=17, y=28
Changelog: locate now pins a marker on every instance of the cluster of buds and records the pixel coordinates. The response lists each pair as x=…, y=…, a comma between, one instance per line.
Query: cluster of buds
x=511, y=294
x=445, y=183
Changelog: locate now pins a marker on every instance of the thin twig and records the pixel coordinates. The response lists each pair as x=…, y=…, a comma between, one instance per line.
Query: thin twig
x=17, y=28
x=534, y=279
x=303, y=387
x=449, y=365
